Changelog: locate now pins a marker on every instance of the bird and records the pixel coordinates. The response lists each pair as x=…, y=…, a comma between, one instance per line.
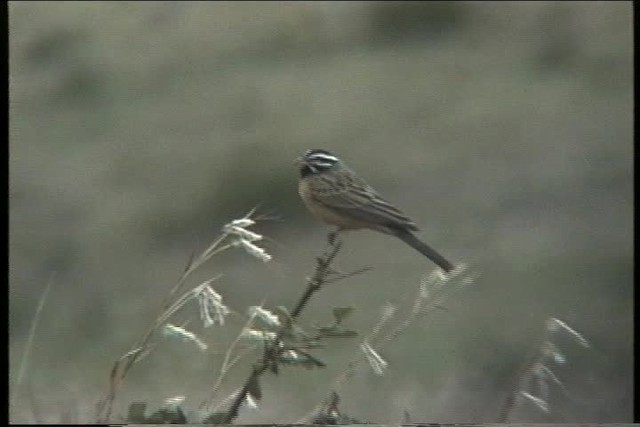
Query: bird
x=335, y=195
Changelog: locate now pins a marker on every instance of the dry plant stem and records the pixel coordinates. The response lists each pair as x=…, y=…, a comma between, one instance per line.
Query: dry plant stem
x=27, y=347
x=36, y=408
x=270, y=356
x=120, y=371
x=351, y=367
x=193, y=265
x=519, y=376
x=415, y=312
x=419, y=308
x=228, y=363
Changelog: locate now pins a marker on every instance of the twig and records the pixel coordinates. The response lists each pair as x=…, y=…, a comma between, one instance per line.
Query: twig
x=272, y=351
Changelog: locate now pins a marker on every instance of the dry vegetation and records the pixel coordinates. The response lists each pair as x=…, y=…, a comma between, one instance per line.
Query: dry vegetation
x=504, y=129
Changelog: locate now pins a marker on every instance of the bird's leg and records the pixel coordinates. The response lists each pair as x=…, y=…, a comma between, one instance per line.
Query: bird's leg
x=332, y=236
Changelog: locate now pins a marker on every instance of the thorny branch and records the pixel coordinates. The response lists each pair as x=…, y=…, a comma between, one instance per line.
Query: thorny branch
x=323, y=274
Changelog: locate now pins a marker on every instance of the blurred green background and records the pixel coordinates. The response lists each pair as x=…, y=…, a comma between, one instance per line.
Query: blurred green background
x=503, y=129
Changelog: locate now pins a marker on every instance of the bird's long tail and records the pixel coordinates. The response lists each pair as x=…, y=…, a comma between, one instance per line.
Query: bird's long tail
x=409, y=238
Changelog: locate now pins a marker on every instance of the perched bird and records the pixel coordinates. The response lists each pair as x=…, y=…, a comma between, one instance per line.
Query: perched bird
x=335, y=195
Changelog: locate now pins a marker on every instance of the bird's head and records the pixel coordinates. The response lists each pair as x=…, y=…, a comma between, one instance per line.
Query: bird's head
x=317, y=161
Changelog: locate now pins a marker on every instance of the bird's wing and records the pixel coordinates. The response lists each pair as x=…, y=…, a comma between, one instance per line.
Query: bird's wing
x=352, y=196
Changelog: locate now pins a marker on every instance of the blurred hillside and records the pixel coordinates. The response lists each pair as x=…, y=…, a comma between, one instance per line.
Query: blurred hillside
x=137, y=129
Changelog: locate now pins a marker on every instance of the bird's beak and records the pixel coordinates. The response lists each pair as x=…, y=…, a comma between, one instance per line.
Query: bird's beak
x=299, y=161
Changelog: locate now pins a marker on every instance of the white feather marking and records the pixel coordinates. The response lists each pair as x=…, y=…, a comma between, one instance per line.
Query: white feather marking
x=323, y=158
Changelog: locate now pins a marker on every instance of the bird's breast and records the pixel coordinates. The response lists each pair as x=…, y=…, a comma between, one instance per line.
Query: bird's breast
x=324, y=212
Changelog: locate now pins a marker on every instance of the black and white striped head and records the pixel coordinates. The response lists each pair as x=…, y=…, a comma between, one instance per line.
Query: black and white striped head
x=317, y=161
